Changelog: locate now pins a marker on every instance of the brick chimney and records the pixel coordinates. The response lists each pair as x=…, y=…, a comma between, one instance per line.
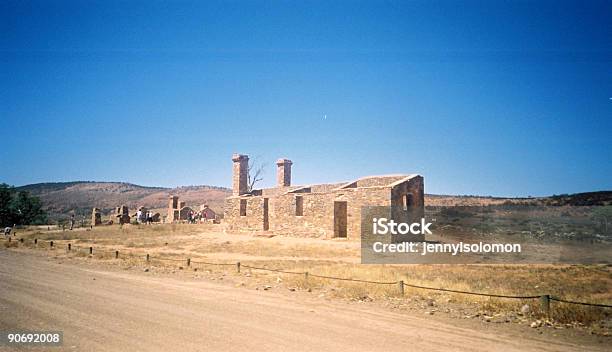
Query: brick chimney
x=240, y=174
x=283, y=172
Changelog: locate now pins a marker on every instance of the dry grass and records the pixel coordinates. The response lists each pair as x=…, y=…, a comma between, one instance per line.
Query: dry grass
x=12, y=244
x=341, y=259
x=570, y=282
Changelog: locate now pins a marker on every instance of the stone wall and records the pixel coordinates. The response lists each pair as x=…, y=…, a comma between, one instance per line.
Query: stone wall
x=252, y=221
x=318, y=210
x=316, y=219
x=96, y=217
x=408, y=204
x=184, y=213
x=357, y=198
x=173, y=206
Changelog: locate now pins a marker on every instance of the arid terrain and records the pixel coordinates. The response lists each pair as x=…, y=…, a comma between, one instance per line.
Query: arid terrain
x=107, y=309
x=331, y=304
x=60, y=199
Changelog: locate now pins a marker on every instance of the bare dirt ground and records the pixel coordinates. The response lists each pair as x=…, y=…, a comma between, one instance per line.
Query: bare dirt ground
x=104, y=308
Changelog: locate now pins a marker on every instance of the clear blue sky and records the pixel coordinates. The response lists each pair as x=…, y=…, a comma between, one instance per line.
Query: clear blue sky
x=493, y=97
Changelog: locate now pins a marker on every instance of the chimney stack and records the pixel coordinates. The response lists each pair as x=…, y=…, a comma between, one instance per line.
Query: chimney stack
x=240, y=174
x=283, y=172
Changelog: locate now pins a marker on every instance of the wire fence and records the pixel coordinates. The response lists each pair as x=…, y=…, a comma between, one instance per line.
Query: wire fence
x=545, y=299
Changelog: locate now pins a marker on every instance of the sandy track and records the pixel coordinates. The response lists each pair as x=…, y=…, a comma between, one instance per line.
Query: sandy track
x=127, y=311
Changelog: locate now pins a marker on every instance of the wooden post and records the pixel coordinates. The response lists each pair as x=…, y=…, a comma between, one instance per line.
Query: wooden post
x=21, y=240
x=51, y=244
x=147, y=257
x=306, y=275
x=69, y=247
x=90, y=250
x=188, y=261
x=9, y=239
x=545, y=304
x=238, y=267
x=116, y=254
x=36, y=241
x=400, y=285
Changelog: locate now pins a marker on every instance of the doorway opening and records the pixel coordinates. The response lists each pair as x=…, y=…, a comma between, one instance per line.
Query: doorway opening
x=266, y=220
x=340, y=219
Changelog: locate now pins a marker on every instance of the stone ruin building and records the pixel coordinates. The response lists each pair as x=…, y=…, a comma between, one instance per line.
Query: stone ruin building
x=177, y=211
x=322, y=210
x=96, y=217
x=121, y=215
x=208, y=213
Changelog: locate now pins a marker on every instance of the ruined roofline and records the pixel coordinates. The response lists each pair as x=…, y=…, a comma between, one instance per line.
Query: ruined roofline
x=293, y=190
x=407, y=178
x=300, y=188
x=343, y=185
x=404, y=178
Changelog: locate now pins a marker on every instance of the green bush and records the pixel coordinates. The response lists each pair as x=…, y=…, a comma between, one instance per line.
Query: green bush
x=20, y=208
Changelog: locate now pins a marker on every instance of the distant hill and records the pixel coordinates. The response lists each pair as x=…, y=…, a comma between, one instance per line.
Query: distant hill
x=61, y=198
x=587, y=198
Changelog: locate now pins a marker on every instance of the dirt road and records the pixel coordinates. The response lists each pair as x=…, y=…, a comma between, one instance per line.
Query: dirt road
x=112, y=310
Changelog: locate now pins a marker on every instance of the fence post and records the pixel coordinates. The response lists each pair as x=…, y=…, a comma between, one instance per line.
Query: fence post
x=306, y=275
x=147, y=257
x=9, y=239
x=36, y=241
x=116, y=254
x=545, y=304
x=90, y=250
x=238, y=267
x=51, y=244
x=400, y=285
x=188, y=261
x=69, y=247
x=21, y=240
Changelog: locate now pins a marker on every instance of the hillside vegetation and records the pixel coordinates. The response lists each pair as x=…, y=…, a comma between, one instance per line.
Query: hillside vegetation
x=62, y=198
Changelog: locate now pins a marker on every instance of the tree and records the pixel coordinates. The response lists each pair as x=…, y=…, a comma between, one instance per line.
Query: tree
x=6, y=217
x=20, y=208
x=254, y=174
